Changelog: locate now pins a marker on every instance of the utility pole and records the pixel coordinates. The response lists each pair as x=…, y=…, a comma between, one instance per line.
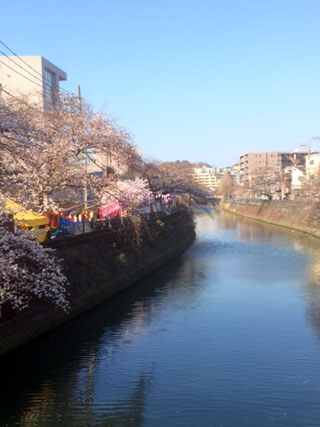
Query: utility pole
x=304, y=146
x=84, y=160
x=79, y=98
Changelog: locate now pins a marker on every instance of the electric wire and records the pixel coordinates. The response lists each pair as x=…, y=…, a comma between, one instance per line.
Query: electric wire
x=18, y=99
x=26, y=77
x=32, y=75
x=33, y=69
x=22, y=75
x=46, y=80
x=15, y=54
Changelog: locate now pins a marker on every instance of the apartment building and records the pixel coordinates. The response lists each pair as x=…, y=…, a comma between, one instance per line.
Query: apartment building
x=207, y=177
x=33, y=77
x=268, y=162
x=294, y=158
x=312, y=165
x=252, y=164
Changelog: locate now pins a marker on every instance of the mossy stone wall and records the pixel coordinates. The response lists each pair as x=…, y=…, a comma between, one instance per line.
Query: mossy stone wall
x=291, y=216
x=98, y=265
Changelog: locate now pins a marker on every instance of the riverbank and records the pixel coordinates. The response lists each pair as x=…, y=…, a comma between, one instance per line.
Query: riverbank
x=293, y=216
x=98, y=265
x=230, y=332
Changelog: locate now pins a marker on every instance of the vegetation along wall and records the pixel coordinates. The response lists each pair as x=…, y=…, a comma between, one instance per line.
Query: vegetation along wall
x=98, y=265
x=297, y=216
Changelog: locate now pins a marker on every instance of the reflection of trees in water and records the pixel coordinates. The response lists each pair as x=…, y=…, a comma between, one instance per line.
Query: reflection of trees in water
x=313, y=291
x=313, y=307
x=134, y=408
x=245, y=229
x=53, y=404
x=204, y=221
x=36, y=415
x=57, y=380
x=69, y=399
x=256, y=231
x=67, y=378
x=227, y=221
x=309, y=246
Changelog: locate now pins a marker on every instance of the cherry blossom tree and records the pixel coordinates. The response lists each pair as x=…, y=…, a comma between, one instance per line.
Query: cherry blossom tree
x=44, y=157
x=125, y=195
x=28, y=271
x=265, y=183
x=170, y=177
x=226, y=186
x=43, y=164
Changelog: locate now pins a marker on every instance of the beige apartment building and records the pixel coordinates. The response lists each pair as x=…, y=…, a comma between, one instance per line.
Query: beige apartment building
x=257, y=163
x=269, y=162
x=207, y=177
x=33, y=77
x=312, y=165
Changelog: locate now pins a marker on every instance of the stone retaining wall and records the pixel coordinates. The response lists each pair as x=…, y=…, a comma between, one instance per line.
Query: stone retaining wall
x=290, y=216
x=99, y=265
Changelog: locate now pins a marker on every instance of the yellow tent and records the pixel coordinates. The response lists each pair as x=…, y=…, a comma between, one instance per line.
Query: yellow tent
x=28, y=219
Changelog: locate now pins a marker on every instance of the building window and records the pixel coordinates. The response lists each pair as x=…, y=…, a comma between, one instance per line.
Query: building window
x=50, y=85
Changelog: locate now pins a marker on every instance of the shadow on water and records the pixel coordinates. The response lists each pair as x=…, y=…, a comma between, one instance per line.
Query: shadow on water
x=53, y=407
x=102, y=368
x=33, y=375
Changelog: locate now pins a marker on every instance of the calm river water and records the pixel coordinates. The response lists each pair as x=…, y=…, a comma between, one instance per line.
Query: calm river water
x=226, y=335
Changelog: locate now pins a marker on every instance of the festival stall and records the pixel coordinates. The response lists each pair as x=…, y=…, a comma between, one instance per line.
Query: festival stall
x=30, y=221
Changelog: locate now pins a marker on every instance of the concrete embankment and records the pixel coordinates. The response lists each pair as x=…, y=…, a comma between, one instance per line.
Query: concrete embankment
x=98, y=265
x=290, y=215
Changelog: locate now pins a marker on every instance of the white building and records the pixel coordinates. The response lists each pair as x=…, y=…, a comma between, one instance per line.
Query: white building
x=312, y=165
x=207, y=177
x=298, y=178
x=33, y=77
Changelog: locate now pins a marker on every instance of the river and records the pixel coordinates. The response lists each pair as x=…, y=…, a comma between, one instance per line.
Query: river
x=226, y=335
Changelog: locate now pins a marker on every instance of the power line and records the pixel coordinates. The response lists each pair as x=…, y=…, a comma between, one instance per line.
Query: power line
x=36, y=77
x=33, y=69
x=6, y=65
x=18, y=99
x=26, y=77
x=3, y=90
x=10, y=50
x=32, y=75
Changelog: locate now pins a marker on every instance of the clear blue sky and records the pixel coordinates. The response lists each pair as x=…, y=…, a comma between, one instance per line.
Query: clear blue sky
x=198, y=80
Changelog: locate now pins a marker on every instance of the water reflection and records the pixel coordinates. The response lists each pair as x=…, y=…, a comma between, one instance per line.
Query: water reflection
x=57, y=406
x=217, y=337
x=305, y=245
x=71, y=379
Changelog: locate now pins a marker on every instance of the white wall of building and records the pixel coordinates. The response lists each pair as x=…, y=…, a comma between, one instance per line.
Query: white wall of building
x=297, y=178
x=312, y=165
x=35, y=83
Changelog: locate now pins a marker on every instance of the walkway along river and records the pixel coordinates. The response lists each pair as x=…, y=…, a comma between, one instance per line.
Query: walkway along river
x=226, y=335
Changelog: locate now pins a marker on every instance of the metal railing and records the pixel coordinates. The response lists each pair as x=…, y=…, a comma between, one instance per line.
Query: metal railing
x=260, y=202
x=76, y=228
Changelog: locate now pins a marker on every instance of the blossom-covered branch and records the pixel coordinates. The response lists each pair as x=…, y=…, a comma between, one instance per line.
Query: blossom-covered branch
x=28, y=271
